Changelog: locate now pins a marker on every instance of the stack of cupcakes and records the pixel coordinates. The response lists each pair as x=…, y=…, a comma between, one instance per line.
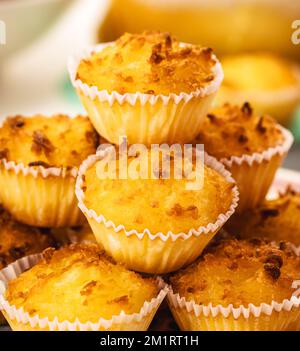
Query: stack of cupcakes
x=150, y=89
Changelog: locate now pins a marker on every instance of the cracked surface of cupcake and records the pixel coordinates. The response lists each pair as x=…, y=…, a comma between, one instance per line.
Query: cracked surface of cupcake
x=236, y=273
x=80, y=282
x=251, y=146
x=39, y=161
x=145, y=86
x=276, y=219
x=270, y=82
x=170, y=224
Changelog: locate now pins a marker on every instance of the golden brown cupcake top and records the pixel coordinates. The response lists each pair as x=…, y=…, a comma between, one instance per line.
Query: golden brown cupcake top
x=57, y=141
x=239, y=273
x=231, y=130
x=79, y=281
x=18, y=240
x=277, y=219
x=149, y=63
x=158, y=204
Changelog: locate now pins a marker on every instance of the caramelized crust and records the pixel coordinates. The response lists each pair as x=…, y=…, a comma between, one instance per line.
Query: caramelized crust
x=277, y=219
x=160, y=205
x=150, y=63
x=57, y=141
x=18, y=240
x=239, y=273
x=234, y=131
x=80, y=281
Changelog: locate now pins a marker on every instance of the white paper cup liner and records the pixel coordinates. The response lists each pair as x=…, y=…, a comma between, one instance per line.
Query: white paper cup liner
x=153, y=252
x=123, y=321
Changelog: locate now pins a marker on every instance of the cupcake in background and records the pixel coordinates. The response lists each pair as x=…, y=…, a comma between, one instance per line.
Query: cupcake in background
x=271, y=83
x=239, y=285
x=251, y=146
x=148, y=87
x=39, y=160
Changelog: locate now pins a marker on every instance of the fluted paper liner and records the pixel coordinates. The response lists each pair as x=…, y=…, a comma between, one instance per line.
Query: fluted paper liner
x=148, y=252
x=40, y=196
x=254, y=173
x=145, y=118
x=19, y=319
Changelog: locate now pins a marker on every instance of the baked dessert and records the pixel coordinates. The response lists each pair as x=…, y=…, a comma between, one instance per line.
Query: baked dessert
x=148, y=87
x=270, y=82
x=276, y=219
x=238, y=285
x=170, y=224
x=39, y=159
x=19, y=240
x=80, y=288
x=251, y=146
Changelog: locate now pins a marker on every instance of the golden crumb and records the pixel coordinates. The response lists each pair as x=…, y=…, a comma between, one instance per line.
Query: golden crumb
x=239, y=273
x=277, y=219
x=80, y=281
x=57, y=141
x=159, y=204
x=150, y=63
x=18, y=240
x=231, y=130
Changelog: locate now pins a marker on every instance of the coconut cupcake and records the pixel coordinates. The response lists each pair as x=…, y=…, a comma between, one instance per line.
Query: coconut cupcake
x=276, y=219
x=19, y=240
x=148, y=86
x=158, y=223
x=252, y=147
x=77, y=288
x=238, y=285
x=39, y=159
